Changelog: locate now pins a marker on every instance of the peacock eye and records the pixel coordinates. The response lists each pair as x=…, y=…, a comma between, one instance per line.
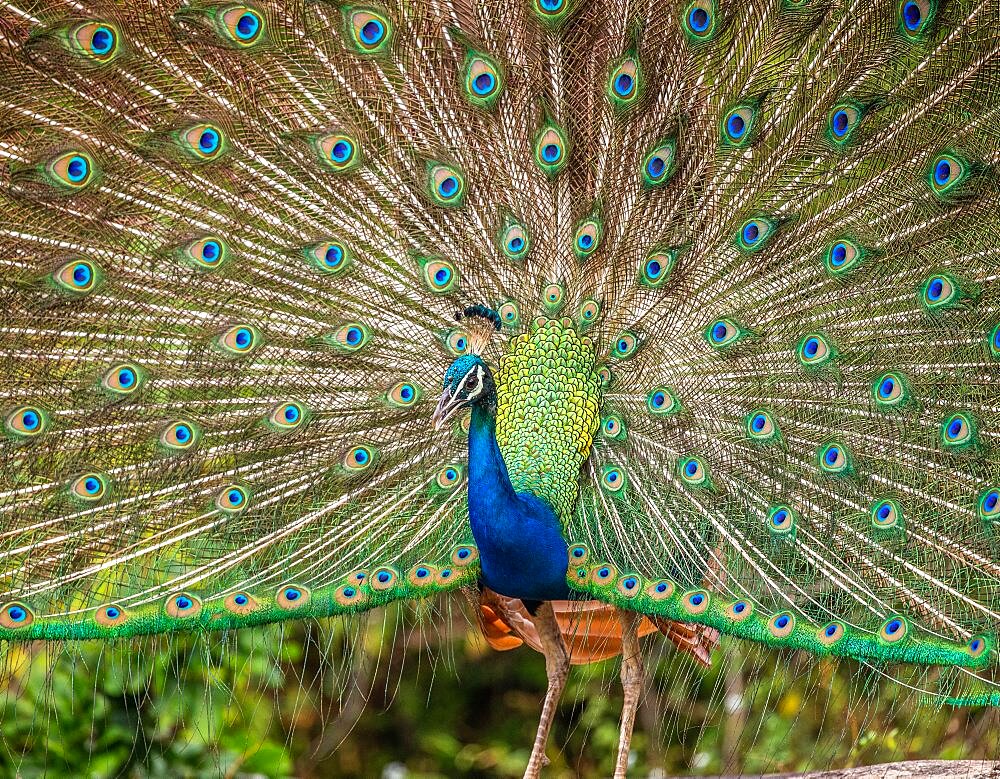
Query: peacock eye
x=95, y=40
x=550, y=149
x=338, y=151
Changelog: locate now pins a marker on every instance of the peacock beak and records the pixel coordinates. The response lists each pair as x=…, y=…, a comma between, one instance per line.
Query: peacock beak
x=446, y=408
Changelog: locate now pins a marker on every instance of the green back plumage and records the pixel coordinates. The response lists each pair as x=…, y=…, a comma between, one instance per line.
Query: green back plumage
x=548, y=397
x=235, y=238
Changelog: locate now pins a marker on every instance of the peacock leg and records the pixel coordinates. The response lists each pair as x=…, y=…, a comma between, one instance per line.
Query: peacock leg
x=557, y=670
x=631, y=685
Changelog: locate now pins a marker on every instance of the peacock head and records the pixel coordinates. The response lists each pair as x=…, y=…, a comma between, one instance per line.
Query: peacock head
x=467, y=382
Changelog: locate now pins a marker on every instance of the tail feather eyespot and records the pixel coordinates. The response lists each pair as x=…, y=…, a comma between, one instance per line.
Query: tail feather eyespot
x=290, y=597
x=369, y=31
x=79, y=277
x=26, y=422
x=782, y=624
x=110, y=615
x=16, y=616
x=182, y=605
x=98, y=41
x=551, y=149
x=696, y=601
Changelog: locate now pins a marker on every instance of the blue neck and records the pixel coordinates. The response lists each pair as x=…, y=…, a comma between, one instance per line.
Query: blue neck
x=521, y=548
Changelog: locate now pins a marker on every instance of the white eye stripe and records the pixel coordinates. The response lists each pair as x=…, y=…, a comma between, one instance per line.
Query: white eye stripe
x=479, y=381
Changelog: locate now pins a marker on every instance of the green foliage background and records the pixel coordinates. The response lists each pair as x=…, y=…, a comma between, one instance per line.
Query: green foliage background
x=416, y=693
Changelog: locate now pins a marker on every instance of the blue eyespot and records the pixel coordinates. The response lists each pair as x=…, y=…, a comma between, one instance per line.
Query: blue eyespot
x=354, y=335
x=334, y=255
x=912, y=16
x=831, y=630
x=17, y=614
x=811, y=347
x=758, y=422
x=578, y=552
x=406, y=392
x=832, y=455
x=936, y=287
x=211, y=251
x=183, y=603
x=243, y=338
x=341, y=151
x=838, y=255
x=884, y=511
x=111, y=612
x=604, y=573
x=893, y=627
x=126, y=377
x=383, y=577
x=516, y=244
x=697, y=599
x=91, y=485
x=291, y=594
x=736, y=126
x=77, y=168
x=655, y=167
x=463, y=553
x=102, y=41
x=751, y=233
x=624, y=84
x=448, y=186
x=840, y=124
x=629, y=583
x=691, y=468
x=782, y=622
x=235, y=497
x=659, y=398
x=30, y=420
x=551, y=152
x=942, y=172
x=423, y=573
x=82, y=274
x=699, y=19
x=661, y=587
x=719, y=332
x=779, y=517
x=991, y=500
x=483, y=83
x=550, y=5
x=372, y=32
x=887, y=387
x=209, y=141
x=182, y=433
x=460, y=344
x=241, y=600
x=653, y=269
x=740, y=607
x=956, y=427
x=442, y=276
x=247, y=26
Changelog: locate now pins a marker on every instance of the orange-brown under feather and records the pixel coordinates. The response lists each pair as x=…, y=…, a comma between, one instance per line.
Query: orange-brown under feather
x=591, y=630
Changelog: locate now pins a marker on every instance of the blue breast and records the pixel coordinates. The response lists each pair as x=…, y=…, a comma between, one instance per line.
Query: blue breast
x=522, y=551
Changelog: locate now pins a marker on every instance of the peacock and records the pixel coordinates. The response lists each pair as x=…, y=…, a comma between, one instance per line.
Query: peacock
x=617, y=317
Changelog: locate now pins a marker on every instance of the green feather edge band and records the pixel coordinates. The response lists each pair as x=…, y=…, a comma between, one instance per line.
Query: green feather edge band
x=184, y=611
x=892, y=642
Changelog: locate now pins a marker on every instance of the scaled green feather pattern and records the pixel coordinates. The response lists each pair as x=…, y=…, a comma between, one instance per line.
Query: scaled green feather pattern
x=548, y=400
